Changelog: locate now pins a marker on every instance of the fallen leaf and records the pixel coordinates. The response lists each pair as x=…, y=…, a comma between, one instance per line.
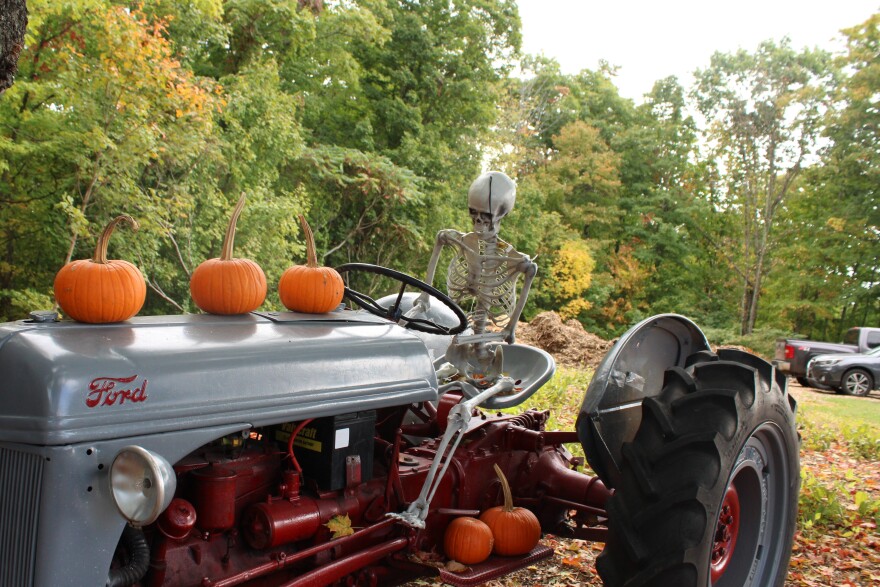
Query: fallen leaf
x=340, y=526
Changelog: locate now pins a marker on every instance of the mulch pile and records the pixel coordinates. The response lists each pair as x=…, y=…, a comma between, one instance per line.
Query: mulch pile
x=567, y=341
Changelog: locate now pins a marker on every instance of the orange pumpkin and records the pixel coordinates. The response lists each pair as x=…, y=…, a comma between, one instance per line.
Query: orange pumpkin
x=468, y=541
x=516, y=530
x=310, y=288
x=97, y=290
x=227, y=285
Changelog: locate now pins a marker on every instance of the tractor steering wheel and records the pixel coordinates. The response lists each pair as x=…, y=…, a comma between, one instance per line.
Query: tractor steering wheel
x=393, y=312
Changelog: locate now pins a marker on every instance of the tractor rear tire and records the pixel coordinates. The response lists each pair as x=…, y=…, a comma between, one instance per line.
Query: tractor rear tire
x=709, y=487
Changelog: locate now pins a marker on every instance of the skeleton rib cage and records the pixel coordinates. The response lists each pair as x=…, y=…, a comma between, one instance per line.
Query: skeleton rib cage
x=487, y=290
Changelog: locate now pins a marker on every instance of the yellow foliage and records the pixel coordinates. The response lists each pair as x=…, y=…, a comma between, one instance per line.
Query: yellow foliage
x=571, y=275
x=836, y=224
x=574, y=308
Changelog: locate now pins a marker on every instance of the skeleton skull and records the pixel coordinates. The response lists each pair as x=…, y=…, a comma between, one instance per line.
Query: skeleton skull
x=490, y=198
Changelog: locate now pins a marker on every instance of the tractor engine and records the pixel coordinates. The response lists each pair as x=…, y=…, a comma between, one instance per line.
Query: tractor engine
x=305, y=503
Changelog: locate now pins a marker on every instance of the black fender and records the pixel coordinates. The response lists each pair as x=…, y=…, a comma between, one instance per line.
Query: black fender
x=630, y=372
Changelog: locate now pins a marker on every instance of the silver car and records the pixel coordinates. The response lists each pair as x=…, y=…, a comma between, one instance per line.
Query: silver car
x=852, y=374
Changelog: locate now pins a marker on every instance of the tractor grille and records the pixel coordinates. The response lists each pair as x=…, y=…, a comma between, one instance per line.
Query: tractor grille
x=21, y=475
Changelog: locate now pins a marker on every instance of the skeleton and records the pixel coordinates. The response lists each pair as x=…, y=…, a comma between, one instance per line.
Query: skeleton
x=482, y=280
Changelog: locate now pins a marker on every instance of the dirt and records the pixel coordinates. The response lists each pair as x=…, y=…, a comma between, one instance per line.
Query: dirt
x=568, y=342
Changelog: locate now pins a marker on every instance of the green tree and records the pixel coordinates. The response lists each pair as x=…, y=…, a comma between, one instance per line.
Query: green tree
x=101, y=106
x=765, y=113
x=669, y=220
x=582, y=180
x=832, y=225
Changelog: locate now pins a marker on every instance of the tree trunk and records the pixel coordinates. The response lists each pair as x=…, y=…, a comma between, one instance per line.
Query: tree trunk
x=13, y=23
x=744, y=307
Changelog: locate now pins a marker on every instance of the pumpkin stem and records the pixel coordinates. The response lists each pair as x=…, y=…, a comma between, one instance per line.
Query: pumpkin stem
x=505, y=488
x=104, y=239
x=229, y=239
x=311, y=255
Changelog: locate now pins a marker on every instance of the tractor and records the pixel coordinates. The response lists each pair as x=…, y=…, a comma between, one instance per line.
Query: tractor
x=278, y=448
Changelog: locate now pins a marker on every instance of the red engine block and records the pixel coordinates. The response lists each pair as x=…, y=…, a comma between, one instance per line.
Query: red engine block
x=243, y=517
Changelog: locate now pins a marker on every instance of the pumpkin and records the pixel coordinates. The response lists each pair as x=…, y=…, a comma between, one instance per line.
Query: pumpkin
x=97, y=290
x=310, y=288
x=227, y=285
x=467, y=540
x=516, y=530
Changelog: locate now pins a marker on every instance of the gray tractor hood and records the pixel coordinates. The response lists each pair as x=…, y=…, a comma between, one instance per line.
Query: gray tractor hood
x=66, y=382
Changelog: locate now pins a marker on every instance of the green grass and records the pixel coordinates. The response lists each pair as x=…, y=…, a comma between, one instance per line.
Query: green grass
x=839, y=411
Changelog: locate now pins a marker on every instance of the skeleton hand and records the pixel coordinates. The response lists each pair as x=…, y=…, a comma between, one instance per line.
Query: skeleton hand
x=420, y=307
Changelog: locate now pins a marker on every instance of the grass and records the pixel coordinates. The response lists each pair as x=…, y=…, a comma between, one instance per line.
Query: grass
x=838, y=411
x=828, y=419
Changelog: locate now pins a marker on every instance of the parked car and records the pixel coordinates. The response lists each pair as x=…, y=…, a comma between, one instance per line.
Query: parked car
x=855, y=374
x=792, y=355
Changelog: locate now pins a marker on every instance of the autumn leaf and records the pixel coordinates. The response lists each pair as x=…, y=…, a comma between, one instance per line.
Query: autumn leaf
x=340, y=526
x=456, y=567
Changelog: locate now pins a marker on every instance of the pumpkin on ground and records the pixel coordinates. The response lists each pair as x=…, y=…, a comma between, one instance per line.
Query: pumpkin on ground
x=227, y=285
x=310, y=288
x=99, y=290
x=467, y=540
x=516, y=530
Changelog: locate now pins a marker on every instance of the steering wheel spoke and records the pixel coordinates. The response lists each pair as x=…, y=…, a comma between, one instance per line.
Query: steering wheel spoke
x=393, y=312
x=421, y=321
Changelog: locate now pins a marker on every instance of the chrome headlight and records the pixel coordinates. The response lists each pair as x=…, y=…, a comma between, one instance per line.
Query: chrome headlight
x=142, y=484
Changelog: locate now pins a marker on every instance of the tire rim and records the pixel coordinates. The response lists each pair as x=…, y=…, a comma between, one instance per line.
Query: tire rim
x=756, y=508
x=725, y=533
x=857, y=383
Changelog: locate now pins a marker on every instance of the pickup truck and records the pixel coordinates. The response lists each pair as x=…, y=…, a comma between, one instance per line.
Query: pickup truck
x=793, y=355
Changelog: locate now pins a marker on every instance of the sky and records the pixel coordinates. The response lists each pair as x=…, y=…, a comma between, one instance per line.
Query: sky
x=652, y=39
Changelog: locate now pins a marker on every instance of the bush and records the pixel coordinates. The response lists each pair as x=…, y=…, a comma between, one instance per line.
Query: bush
x=827, y=503
x=862, y=442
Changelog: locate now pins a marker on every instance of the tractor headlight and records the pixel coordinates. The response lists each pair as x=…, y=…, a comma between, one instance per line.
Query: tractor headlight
x=142, y=484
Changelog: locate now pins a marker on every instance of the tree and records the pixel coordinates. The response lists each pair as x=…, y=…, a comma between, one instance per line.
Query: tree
x=101, y=114
x=13, y=24
x=533, y=106
x=765, y=113
x=853, y=167
x=665, y=216
x=833, y=225
x=582, y=180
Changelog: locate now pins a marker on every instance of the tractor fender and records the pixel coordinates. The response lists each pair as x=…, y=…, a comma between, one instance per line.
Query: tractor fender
x=630, y=372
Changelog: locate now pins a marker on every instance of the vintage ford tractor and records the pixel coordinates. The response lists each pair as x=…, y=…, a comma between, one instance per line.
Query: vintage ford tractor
x=286, y=449
x=215, y=451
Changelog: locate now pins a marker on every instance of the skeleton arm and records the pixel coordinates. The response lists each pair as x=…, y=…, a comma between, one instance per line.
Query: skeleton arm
x=444, y=238
x=529, y=268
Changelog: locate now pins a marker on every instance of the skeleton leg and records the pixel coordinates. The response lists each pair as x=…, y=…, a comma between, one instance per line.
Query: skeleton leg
x=459, y=417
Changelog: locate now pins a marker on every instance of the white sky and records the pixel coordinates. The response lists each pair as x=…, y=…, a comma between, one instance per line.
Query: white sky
x=652, y=39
